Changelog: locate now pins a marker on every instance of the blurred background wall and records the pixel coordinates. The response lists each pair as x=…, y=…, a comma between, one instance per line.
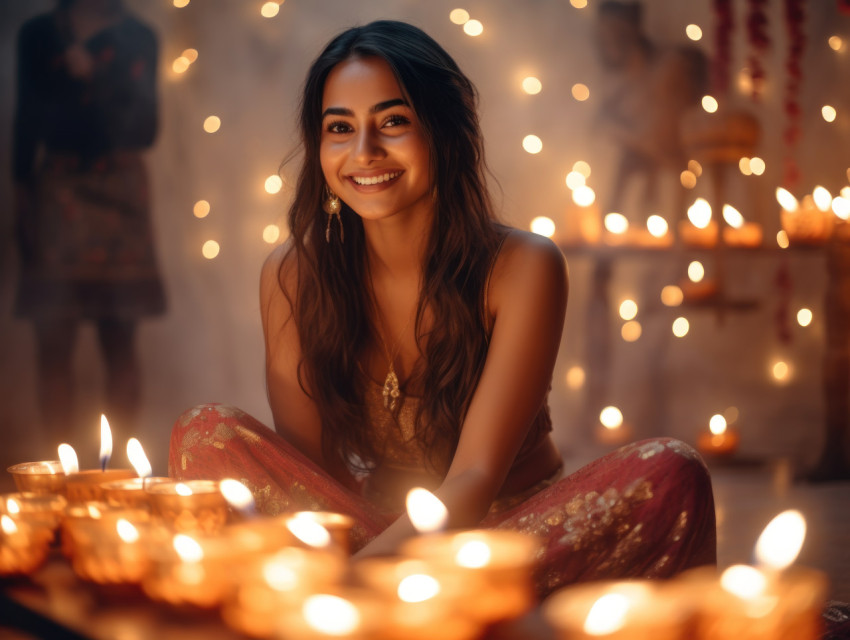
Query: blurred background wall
x=208, y=347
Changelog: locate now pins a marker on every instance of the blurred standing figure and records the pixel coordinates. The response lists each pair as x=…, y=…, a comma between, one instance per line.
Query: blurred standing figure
x=86, y=110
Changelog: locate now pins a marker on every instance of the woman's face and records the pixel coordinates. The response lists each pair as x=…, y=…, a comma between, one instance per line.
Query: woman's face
x=373, y=152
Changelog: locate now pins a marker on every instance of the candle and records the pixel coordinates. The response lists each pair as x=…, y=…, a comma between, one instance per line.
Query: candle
x=346, y=614
x=320, y=529
x=719, y=440
x=23, y=548
x=612, y=430
x=700, y=237
x=194, y=505
x=805, y=223
x=87, y=485
x=495, y=565
x=748, y=234
x=36, y=509
x=130, y=492
x=111, y=551
x=625, y=610
x=81, y=522
x=39, y=477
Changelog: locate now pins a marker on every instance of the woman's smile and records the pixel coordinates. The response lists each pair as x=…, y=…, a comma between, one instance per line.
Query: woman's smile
x=379, y=180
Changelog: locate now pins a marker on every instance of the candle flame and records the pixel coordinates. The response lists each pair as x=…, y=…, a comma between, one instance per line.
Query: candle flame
x=13, y=507
x=138, y=459
x=418, y=587
x=616, y=223
x=732, y=216
x=425, y=510
x=304, y=527
x=473, y=554
x=105, y=442
x=237, y=495
x=611, y=418
x=699, y=213
x=126, y=531
x=187, y=548
x=182, y=489
x=279, y=573
x=657, y=226
x=822, y=198
x=8, y=525
x=330, y=615
x=717, y=424
x=743, y=581
x=786, y=200
x=607, y=615
x=68, y=459
x=780, y=542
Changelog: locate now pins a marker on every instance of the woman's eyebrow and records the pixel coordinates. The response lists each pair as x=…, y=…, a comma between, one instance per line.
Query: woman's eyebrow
x=381, y=106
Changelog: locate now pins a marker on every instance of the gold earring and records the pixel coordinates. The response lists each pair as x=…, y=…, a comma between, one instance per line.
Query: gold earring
x=332, y=206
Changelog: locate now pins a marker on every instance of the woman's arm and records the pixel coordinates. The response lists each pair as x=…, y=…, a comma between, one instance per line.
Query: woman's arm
x=294, y=412
x=528, y=300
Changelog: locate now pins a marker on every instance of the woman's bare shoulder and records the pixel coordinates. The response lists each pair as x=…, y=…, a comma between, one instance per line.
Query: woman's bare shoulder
x=281, y=268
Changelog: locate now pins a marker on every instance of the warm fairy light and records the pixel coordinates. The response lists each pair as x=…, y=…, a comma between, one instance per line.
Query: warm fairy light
x=695, y=168
x=474, y=554
x=271, y=233
x=584, y=196
x=187, y=548
x=532, y=144
x=743, y=581
x=822, y=198
x=804, y=317
x=828, y=112
x=13, y=507
x=672, y=296
x=745, y=81
x=190, y=54
x=473, y=28
x=780, y=542
x=330, y=615
x=688, y=179
x=543, y=226
x=582, y=167
x=138, y=459
x=304, y=527
x=786, y=200
x=656, y=225
x=279, y=573
x=105, y=442
x=841, y=207
x=616, y=223
x=694, y=32
x=699, y=213
x=579, y=4
x=68, y=459
x=459, y=16
x=8, y=525
x=757, y=166
x=180, y=65
x=126, y=531
x=607, y=615
x=781, y=371
x=270, y=9
x=182, y=489
x=696, y=271
x=180, y=3
x=611, y=418
x=212, y=124
x=237, y=494
x=628, y=309
x=835, y=43
x=425, y=510
x=744, y=166
x=418, y=587
x=717, y=424
x=575, y=180
x=845, y=191
x=709, y=103
x=681, y=326
x=273, y=184
x=201, y=209
x=782, y=239
x=732, y=216
x=532, y=86
x=580, y=92
x=631, y=331
x=210, y=249
x=93, y=511
x=575, y=377
x=731, y=415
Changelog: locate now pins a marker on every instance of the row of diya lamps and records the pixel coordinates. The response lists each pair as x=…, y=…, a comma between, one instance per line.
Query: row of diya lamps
x=201, y=545
x=811, y=221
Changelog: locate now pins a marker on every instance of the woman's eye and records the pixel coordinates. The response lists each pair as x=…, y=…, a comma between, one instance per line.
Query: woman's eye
x=338, y=127
x=396, y=120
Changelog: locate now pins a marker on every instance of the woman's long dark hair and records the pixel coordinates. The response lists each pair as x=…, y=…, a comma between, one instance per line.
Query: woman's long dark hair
x=332, y=307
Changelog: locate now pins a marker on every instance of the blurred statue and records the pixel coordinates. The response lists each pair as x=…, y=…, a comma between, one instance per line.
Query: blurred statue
x=649, y=88
x=86, y=110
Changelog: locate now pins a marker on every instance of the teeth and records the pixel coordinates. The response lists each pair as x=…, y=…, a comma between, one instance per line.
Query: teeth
x=376, y=179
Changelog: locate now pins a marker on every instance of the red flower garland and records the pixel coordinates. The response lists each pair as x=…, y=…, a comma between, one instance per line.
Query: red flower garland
x=759, y=44
x=794, y=19
x=722, y=41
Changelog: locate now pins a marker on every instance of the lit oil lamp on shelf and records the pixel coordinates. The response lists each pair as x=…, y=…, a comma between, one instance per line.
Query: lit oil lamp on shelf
x=131, y=492
x=82, y=524
x=86, y=485
x=46, y=476
x=344, y=614
x=809, y=222
x=111, y=551
x=612, y=430
x=193, y=505
x=719, y=440
x=23, y=548
x=43, y=510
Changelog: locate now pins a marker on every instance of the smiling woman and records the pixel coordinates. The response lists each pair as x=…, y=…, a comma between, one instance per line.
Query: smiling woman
x=412, y=342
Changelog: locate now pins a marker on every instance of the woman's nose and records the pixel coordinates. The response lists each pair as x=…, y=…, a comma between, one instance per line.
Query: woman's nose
x=367, y=146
